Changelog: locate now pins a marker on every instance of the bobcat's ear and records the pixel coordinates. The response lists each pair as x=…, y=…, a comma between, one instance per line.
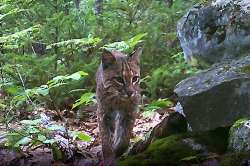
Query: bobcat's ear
x=108, y=59
x=135, y=56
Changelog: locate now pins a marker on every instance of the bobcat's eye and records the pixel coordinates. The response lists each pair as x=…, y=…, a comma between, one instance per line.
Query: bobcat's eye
x=119, y=80
x=135, y=79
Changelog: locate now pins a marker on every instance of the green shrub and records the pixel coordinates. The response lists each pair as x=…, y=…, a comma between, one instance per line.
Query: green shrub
x=163, y=79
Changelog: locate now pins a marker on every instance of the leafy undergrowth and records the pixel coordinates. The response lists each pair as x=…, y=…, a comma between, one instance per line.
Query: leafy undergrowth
x=77, y=134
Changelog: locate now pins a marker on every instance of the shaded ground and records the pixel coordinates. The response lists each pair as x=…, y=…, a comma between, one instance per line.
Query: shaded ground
x=85, y=120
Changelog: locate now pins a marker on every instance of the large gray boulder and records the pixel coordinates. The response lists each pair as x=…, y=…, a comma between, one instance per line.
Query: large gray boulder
x=218, y=96
x=218, y=31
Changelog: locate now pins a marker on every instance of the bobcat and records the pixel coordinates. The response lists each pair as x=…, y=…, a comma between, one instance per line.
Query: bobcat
x=118, y=96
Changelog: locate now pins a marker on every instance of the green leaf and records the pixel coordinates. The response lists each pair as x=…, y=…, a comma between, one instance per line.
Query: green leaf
x=119, y=46
x=31, y=122
x=84, y=137
x=189, y=158
x=77, y=76
x=80, y=135
x=13, y=134
x=56, y=127
x=57, y=153
x=86, y=98
x=37, y=91
x=20, y=35
x=151, y=108
x=135, y=40
x=32, y=130
x=23, y=141
x=75, y=42
x=160, y=103
x=63, y=80
x=42, y=90
x=125, y=46
x=3, y=106
x=12, y=89
x=49, y=141
x=12, y=12
x=41, y=137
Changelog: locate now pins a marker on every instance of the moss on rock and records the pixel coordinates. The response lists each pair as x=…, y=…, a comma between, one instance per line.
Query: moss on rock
x=244, y=69
x=215, y=140
x=234, y=159
x=166, y=151
x=175, y=149
x=239, y=123
x=240, y=136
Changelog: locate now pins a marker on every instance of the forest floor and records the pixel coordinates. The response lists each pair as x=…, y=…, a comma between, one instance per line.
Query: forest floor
x=86, y=122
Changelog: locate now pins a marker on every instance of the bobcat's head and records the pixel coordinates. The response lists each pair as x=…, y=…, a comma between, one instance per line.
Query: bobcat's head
x=121, y=75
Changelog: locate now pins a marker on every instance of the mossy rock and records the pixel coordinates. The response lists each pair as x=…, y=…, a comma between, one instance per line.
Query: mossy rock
x=205, y=2
x=169, y=150
x=239, y=139
x=215, y=140
x=173, y=150
x=235, y=159
x=244, y=69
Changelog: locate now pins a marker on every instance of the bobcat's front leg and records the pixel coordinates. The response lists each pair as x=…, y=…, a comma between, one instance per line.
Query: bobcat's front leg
x=115, y=129
x=105, y=134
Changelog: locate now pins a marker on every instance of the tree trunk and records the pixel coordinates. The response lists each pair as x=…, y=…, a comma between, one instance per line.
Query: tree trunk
x=98, y=13
x=98, y=7
x=77, y=3
x=169, y=3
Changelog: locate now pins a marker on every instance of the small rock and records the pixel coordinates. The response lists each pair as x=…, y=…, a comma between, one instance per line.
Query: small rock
x=239, y=139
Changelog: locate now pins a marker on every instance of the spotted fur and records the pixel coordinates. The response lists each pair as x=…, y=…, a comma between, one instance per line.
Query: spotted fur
x=118, y=96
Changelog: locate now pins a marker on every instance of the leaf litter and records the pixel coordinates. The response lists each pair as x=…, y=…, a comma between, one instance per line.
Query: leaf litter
x=83, y=120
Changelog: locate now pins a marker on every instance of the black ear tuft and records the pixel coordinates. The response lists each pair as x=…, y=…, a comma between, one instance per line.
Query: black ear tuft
x=108, y=59
x=135, y=56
